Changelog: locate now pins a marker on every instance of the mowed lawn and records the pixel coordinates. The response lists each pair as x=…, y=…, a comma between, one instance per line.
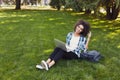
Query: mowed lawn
x=27, y=37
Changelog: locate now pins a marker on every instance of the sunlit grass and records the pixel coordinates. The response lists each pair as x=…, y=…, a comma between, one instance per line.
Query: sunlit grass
x=27, y=37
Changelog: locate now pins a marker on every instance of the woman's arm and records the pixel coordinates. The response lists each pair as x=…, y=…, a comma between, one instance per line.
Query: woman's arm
x=88, y=39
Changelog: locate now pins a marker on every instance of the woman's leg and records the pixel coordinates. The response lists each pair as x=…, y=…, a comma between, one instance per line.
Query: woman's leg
x=52, y=55
x=48, y=60
x=51, y=63
x=58, y=55
x=62, y=54
x=56, y=50
x=70, y=55
x=55, y=56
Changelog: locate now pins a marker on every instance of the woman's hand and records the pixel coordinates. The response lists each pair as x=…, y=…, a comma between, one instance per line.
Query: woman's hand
x=89, y=34
x=88, y=39
x=86, y=46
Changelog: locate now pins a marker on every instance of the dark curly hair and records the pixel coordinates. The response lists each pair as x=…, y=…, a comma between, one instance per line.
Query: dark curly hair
x=86, y=26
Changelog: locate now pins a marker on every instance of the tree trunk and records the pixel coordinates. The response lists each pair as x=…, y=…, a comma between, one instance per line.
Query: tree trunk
x=115, y=12
x=112, y=13
x=58, y=7
x=18, y=6
x=109, y=14
x=87, y=11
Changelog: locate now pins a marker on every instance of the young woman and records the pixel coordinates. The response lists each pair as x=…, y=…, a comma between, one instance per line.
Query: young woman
x=76, y=43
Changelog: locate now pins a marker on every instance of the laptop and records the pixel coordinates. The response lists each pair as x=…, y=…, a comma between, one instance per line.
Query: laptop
x=60, y=44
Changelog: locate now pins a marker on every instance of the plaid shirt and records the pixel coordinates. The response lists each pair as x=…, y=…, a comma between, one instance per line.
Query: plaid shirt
x=81, y=43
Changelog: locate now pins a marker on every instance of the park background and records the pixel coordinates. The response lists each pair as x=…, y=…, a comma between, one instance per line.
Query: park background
x=27, y=33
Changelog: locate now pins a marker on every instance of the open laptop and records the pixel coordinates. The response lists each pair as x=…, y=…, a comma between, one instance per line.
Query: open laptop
x=60, y=44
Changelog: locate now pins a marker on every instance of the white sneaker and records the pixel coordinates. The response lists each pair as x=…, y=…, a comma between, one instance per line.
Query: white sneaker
x=39, y=67
x=45, y=64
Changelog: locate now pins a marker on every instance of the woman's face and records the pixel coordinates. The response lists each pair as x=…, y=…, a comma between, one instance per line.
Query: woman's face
x=79, y=29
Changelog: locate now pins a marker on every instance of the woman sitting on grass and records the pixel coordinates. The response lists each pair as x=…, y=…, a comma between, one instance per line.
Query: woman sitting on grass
x=76, y=43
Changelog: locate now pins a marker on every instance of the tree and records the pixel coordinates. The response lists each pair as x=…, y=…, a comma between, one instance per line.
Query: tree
x=75, y=5
x=112, y=8
x=57, y=3
x=18, y=4
x=80, y=5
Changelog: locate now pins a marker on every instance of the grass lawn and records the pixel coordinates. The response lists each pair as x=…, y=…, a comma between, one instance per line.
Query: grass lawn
x=26, y=37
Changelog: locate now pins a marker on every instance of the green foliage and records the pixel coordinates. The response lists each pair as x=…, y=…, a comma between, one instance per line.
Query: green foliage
x=74, y=4
x=112, y=8
x=27, y=37
x=77, y=5
x=110, y=3
x=117, y=2
x=57, y=3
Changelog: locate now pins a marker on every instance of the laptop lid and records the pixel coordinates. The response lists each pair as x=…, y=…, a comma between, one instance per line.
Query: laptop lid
x=60, y=44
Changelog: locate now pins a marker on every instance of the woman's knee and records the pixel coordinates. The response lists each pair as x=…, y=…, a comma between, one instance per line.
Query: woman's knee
x=57, y=48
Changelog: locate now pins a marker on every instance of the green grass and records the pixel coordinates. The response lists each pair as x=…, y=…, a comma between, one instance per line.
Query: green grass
x=26, y=37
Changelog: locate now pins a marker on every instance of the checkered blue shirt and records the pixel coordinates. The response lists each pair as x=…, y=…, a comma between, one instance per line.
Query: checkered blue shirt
x=81, y=43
